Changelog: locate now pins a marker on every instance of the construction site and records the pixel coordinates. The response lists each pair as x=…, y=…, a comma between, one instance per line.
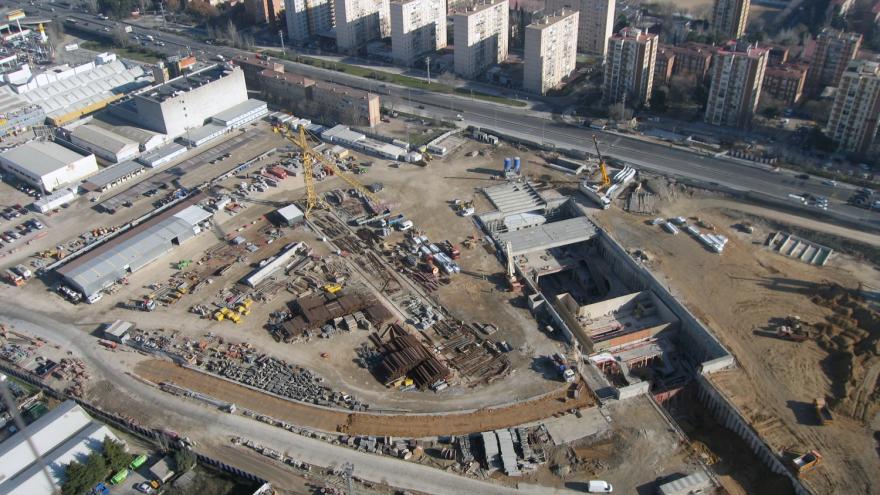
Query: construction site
x=483, y=309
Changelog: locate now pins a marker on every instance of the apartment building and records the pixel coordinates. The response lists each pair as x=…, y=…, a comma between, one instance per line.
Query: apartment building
x=481, y=37
x=785, y=82
x=550, y=51
x=853, y=121
x=629, y=67
x=307, y=18
x=263, y=11
x=729, y=17
x=693, y=59
x=359, y=22
x=663, y=65
x=595, y=23
x=834, y=51
x=737, y=78
x=331, y=103
x=418, y=27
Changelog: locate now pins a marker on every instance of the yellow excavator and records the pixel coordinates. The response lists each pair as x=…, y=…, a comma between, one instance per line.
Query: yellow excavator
x=309, y=158
x=606, y=181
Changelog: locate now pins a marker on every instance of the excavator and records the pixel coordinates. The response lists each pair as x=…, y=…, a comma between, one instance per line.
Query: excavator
x=309, y=158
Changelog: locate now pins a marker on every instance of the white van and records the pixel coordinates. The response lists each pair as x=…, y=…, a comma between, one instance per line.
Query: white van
x=598, y=486
x=405, y=225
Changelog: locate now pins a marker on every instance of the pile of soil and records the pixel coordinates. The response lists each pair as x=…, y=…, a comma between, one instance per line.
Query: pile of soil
x=851, y=336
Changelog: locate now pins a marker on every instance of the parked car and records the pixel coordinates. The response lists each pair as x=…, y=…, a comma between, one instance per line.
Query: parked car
x=599, y=486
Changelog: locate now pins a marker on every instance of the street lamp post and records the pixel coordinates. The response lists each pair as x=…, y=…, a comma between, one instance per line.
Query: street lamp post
x=428, y=67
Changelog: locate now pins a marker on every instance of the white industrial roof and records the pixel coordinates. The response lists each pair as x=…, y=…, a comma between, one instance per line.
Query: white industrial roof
x=41, y=157
x=240, y=109
x=102, y=138
x=32, y=481
x=342, y=133
x=171, y=149
x=203, y=132
x=118, y=328
x=45, y=433
x=290, y=212
x=83, y=89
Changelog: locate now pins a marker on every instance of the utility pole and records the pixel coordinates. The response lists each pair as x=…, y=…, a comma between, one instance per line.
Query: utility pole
x=281, y=35
x=428, y=67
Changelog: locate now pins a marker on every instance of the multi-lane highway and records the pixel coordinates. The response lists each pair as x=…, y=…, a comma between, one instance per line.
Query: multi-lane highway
x=539, y=125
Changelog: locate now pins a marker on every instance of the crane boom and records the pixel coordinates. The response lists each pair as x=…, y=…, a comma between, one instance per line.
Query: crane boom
x=602, y=168
x=310, y=157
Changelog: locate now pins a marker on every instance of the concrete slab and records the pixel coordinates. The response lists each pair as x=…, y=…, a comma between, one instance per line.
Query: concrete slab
x=549, y=235
x=570, y=428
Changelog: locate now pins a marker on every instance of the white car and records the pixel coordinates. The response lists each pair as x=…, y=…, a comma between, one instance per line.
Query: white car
x=599, y=486
x=144, y=488
x=829, y=182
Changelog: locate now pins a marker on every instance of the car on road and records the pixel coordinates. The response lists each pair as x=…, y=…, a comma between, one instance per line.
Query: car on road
x=421, y=107
x=459, y=117
x=802, y=176
x=829, y=182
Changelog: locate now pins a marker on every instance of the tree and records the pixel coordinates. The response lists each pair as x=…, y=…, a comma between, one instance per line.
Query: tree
x=621, y=22
x=172, y=5
x=114, y=454
x=184, y=460
x=118, y=9
x=200, y=8
x=120, y=37
x=80, y=478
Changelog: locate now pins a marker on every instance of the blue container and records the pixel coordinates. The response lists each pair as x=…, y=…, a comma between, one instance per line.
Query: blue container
x=506, y=165
x=516, y=164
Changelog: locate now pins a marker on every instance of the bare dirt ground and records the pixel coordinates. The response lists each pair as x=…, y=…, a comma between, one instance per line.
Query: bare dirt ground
x=410, y=426
x=736, y=294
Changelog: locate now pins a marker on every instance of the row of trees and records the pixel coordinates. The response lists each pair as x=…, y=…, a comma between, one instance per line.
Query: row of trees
x=83, y=476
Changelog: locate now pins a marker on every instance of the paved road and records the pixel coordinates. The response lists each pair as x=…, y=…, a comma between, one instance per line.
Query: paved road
x=537, y=121
x=375, y=468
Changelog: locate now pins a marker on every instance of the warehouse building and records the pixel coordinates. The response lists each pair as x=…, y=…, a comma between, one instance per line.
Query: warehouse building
x=242, y=114
x=47, y=165
x=186, y=102
x=201, y=135
x=112, y=176
x=63, y=435
x=55, y=200
x=134, y=249
x=68, y=93
x=104, y=143
x=162, y=156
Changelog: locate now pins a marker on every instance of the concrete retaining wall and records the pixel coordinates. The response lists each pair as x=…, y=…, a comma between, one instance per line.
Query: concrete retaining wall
x=727, y=414
x=698, y=342
x=634, y=390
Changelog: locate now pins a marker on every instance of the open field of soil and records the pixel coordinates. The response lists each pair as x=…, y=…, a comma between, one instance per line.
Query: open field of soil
x=738, y=294
x=410, y=426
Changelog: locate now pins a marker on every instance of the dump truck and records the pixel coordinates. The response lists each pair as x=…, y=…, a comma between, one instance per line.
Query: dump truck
x=823, y=412
x=803, y=463
x=13, y=278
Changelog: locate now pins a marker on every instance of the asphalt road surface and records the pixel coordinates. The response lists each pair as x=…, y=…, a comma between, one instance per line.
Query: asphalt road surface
x=534, y=122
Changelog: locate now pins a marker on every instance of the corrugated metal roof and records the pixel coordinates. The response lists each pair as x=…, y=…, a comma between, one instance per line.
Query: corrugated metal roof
x=238, y=110
x=83, y=89
x=290, y=212
x=113, y=173
x=102, y=138
x=96, y=270
x=41, y=157
x=45, y=433
x=549, y=235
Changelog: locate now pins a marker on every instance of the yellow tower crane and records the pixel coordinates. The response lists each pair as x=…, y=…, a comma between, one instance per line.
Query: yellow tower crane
x=309, y=158
x=606, y=181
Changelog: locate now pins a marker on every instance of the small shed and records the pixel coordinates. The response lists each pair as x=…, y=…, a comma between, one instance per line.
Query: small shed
x=118, y=331
x=291, y=215
x=162, y=469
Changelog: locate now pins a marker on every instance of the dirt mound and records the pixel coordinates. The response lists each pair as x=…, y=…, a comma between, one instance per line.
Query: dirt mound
x=851, y=336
